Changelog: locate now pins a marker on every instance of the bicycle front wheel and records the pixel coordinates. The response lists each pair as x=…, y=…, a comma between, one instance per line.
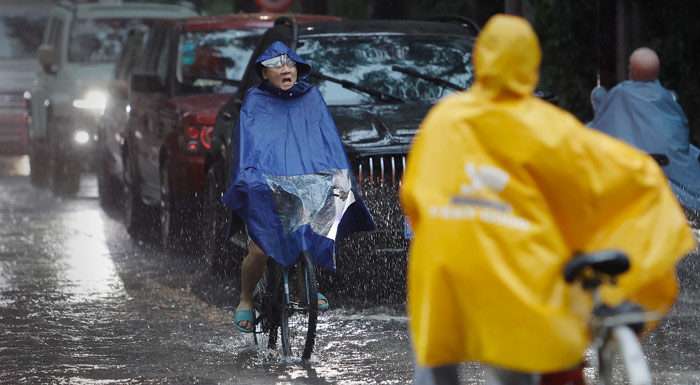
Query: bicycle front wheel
x=623, y=345
x=300, y=310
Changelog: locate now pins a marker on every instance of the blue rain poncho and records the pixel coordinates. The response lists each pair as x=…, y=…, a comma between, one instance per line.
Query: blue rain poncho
x=291, y=180
x=646, y=115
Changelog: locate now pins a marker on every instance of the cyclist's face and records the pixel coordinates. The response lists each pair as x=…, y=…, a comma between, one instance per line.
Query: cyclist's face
x=282, y=77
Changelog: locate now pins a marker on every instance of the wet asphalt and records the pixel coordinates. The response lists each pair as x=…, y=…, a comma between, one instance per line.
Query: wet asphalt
x=83, y=303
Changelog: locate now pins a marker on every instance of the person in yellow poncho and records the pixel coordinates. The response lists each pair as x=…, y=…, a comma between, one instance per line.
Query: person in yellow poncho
x=501, y=190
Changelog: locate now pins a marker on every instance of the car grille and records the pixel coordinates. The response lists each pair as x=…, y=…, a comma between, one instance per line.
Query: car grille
x=379, y=177
x=381, y=169
x=378, y=258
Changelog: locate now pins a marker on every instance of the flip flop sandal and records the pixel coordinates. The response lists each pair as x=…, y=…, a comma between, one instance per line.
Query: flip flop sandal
x=323, y=302
x=241, y=316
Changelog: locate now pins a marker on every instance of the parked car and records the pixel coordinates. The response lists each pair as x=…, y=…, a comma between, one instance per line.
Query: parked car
x=190, y=69
x=379, y=78
x=21, y=29
x=111, y=132
x=77, y=55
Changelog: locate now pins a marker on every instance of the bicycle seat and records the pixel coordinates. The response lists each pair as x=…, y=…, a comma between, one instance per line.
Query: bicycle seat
x=607, y=262
x=661, y=159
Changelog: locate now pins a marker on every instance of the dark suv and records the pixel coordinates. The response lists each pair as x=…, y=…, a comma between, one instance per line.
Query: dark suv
x=379, y=78
x=190, y=68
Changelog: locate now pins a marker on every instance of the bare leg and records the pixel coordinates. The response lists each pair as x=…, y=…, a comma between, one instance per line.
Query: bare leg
x=252, y=270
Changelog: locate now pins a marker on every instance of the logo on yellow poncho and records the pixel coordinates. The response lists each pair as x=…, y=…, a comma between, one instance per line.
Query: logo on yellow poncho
x=479, y=199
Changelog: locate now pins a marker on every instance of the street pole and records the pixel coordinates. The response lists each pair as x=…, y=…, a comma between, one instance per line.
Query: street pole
x=621, y=41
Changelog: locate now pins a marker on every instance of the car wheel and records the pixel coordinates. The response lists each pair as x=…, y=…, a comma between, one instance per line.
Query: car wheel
x=217, y=250
x=172, y=232
x=64, y=177
x=107, y=186
x=137, y=216
x=38, y=166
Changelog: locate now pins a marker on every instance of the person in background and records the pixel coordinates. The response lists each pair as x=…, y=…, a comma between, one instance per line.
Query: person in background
x=641, y=112
x=502, y=189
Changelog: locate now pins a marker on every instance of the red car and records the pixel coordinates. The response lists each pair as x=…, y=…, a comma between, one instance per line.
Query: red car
x=190, y=68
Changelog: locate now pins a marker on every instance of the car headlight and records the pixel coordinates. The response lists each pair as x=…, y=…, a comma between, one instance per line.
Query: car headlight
x=94, y=100
x=81, y=137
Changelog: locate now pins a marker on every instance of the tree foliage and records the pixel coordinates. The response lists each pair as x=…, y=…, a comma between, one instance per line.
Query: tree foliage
x=567, y=32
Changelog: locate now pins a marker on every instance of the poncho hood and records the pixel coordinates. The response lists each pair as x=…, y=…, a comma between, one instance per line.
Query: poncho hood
x=278, y=48
x=507, y=58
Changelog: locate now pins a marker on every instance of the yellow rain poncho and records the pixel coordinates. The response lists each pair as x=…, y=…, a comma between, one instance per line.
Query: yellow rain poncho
x=502, y=189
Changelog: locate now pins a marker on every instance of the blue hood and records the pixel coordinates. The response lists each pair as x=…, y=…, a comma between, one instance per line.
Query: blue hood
x=645, y=115
x=278, y=48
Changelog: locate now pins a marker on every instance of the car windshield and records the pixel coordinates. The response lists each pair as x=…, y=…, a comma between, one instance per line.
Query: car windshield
x=100, y=40
x=21, y=33
x=368, y=60
x=214, y=61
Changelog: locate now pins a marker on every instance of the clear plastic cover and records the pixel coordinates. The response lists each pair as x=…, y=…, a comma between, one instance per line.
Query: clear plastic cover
x=318, y=200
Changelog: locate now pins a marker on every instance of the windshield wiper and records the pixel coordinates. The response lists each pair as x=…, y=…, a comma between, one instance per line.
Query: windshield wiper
x=380, y=96
x=432, y=79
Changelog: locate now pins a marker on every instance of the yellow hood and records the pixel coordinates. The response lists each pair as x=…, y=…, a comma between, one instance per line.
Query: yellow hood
x=507, y=58
x=501, y=189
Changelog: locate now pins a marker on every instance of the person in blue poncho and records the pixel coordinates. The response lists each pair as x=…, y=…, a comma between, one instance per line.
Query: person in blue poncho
x=643, y=113
x=291, y=183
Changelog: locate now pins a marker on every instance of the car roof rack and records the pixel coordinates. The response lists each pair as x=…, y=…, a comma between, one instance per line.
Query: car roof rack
x=464, y=21
x=183, y=3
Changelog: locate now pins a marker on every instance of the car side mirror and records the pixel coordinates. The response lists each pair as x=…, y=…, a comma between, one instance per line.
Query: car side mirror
x=146, y=83
x=47, y=59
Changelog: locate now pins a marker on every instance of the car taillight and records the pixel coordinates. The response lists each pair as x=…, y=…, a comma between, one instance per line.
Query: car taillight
x=197, y=138
x=192, y=132
x=205, y=136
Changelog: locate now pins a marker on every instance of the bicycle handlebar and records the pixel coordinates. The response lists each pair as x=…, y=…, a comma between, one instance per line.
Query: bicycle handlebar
x=591, y=268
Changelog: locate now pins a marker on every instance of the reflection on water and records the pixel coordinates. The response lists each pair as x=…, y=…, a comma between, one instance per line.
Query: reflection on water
x=353, y=346
x=88, y=269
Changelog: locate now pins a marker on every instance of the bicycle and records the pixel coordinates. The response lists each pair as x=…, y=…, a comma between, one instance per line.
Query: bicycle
x=614, y=329
x=291, y=314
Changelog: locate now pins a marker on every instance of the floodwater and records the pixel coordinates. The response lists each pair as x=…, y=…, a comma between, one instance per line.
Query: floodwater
x=83, y=303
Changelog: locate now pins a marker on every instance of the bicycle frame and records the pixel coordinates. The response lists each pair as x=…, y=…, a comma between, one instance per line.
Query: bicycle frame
x=611, y=335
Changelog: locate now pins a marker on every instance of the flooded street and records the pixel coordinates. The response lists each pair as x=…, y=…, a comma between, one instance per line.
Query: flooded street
x=82, y=303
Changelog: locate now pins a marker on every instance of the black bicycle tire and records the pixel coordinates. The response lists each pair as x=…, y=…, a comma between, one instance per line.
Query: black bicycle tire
x=273, y=301
x=311, y=294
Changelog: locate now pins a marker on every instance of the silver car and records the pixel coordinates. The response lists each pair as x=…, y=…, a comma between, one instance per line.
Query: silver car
x=77, y=56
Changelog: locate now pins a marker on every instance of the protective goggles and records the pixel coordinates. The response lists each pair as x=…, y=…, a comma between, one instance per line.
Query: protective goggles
x=278, y=62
